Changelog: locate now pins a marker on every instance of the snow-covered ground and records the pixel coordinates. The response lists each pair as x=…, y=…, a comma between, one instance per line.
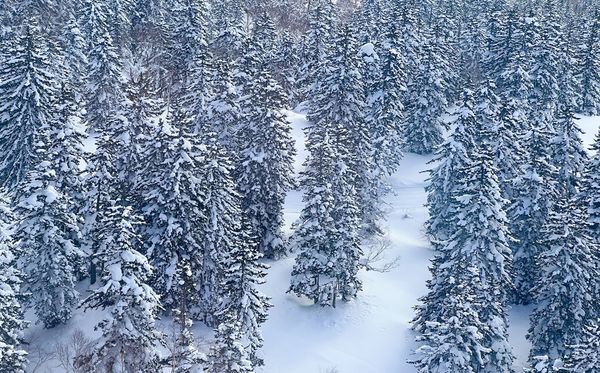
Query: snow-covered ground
x=368, y=335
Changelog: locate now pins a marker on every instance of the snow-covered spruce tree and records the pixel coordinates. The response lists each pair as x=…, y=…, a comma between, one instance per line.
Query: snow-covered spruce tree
x=426, y=102
x=188, y=26
x=590, y=195
x=451, y=160
x=265, y=165
x=315, y=267
x=316, y=49
x=223, y=109
x=387, y=109
x=402, y=19
x=445, y=51
x=228, y=355
x=589, y=68
x=471, y=43
x=385, y=120
x=242, y=274
x=455, y=343
x=566, y=276
x=200, y=79
x=500, y=118
x=534, y=193
x=478, y=243
x=143, y=109
x=569, y=155
x=508, y=150
x=104, y=100
x=120, y=12
x=172, y=196
x=185, y=357
x=27, y=91
x=265, y=34
x=327, y=265
x=543, y=35
x=129, y=336
x=103, y=91
x=68, y=133
x=285, y=61
x=368, y=21
x=228, y=29
x=338, y=102
x=74, y=47
x=12, y=357
x=221, y=228
x=499, y=39
x=48, y=229
x=585, y=356
x=369, y=66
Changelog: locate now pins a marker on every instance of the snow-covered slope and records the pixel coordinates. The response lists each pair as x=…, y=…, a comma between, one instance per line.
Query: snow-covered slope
x=369, y=335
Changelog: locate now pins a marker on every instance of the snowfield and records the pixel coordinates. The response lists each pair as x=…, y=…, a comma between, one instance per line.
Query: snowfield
x=368, y=335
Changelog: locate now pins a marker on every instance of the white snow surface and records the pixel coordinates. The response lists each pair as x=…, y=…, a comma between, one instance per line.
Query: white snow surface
x=368, y=335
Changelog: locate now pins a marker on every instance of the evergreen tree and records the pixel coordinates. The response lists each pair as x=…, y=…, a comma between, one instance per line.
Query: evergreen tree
x=228, y=28
x=566, y=278
x=223, y=111
x=336, y=184
x=315, y=233
x=185, y=357
x=387, y=110
x=222, y=231
x=508, y=151
x=499, y=39
x=129, y=335
x=544, y=36
x=27, y=91
x=228, y=355
x=569, y=156
x=74, y=47
x=426, y=104
x=367, y=21
x=316, y=49
x=478, y=246
x=456, y=343
x=327, y=265
x=589, y=68
x=534, y=193
x=451, y=159
x=242, y=274
x=199, y=86
x=584, y=356
x=265, y=165
x=589, y=195
x=339, y=103
x=265, y=34
x=285, y=61
x=120, y=27
x=104, y=116
x=187, y=22
x=402, y=19
x=12, y=357
x=48, y=230
x=172, y=206
x=143, y=109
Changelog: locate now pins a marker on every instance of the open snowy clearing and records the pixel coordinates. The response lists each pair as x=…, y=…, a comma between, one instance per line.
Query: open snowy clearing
x=369, y=335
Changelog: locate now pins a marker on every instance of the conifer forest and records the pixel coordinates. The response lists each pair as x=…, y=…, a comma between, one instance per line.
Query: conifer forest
x=299, y=186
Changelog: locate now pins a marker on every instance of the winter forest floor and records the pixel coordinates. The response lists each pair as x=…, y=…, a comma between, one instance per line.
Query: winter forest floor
x=368, y=335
